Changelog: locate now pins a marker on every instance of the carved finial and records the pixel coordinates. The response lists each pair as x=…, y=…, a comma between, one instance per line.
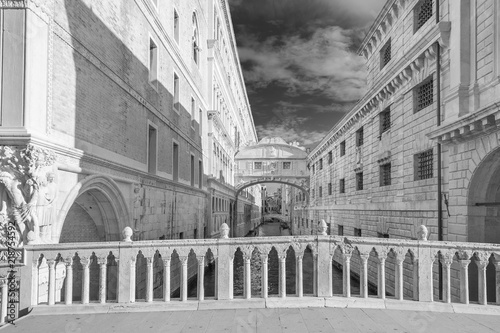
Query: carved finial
x=127, y=234
x=224, y=231
x=422, y=233
x=322, y=228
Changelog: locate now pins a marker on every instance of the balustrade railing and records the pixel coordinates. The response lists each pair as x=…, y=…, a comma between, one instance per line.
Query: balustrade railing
x=126, y=272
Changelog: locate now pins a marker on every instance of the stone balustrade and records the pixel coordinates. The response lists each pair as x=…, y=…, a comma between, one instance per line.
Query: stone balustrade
x=50, y=278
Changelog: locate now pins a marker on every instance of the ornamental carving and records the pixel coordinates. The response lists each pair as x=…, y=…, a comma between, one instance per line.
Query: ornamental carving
x=28, y=191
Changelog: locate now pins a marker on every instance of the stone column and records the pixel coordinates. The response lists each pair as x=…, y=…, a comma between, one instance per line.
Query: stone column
x=415, y=281
x=346, y=272
x=133, y=260
x=381, y=276
x=149, y=279
x=446, y=262
x=282, y=274
x=482, y=263
x=166, y=279
x=201, y=278
x=399, y=278
x=248, y=277
x=52, y=281
x=68, y=294
x=464, y=280
x=264, y=258
x=299, y=277
x=86, y=280
x=102, y=279
x=230, y=274
x=5, y=291
x=184, y=278
x=497, y=275
x=363, y=275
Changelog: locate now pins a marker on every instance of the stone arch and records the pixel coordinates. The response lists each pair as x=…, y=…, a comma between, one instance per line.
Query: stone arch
x=111, y=215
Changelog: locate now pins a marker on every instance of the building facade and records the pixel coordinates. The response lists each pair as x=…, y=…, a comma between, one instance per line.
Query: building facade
x=118, y=114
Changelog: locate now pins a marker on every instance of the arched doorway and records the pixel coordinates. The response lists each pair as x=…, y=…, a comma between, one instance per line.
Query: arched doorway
x=94, y=211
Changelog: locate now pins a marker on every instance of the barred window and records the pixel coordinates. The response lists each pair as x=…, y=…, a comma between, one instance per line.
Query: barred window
x=357, y=232
x=424, y=94
x=257, y=165
x=342, y=148
x=342, y=185
x=359, y=181
x=423, y=12
x=385, y=174
x=359, y=137
x=287, y=165
x=329, y=188
x=424, y=165
x=320, y=192
x=340, y=231
x=385, y=54
x=385, y=121
x=330, y=157
x=321, y=164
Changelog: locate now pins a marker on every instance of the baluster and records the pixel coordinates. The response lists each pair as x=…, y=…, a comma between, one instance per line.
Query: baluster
x=166, y=279
x=497, y=277
x=482, y=263
x=346, y=274
x=381, y=275
x=415, y=280
x=264, y=258
x=248, y=281
x=399, y=277
x=464, y=280
x=5, y=291
x=447, y=260
x=282, y=275
x=184, y=278
x=102, y=279
x=315, y=274
x=363, y=274
x=133, y=261
x=201, y=278
x=86, y=280
x=52, y=281
x=149, y=279
x=231, y=277
x=68, y=292
x=300, y=277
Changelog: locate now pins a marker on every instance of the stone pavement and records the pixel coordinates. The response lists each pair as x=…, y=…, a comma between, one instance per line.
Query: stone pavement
x=298, y=320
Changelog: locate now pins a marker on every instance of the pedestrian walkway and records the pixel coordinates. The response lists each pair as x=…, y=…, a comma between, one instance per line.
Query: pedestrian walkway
x=300, y=320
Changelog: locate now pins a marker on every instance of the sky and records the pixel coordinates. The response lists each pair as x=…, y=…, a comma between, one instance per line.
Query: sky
x=299, y=61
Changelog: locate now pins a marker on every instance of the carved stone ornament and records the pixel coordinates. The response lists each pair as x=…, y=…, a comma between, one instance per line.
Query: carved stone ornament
x=25, y=175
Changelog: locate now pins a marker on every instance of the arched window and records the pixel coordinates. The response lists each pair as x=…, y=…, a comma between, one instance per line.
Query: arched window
x=196, y=45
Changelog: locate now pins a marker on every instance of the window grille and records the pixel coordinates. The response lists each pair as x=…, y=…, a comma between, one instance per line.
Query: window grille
x=359, y=137
x=385, y=121
x=425, y=95
x=330, y=157
x=359, y=181
x=340, y=230
x=258, y=165
x=423, y=12
x=342, y=185
x=424, y=165
x=342, y=148
x=357, y=232
x=385, y=174
x=385, y=54
x=329, y=188
x=287, y=165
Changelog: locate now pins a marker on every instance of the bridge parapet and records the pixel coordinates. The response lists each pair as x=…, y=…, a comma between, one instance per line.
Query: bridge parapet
x=126, y=272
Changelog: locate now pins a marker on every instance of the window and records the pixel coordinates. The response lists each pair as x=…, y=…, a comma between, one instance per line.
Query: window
x=330, y=157
x=175, y=162
x=320, y=191
x=192, y=170
x=152, y=139
x=200, y=174
x=257, y=165
x=193, y=110
x=385, y=54
x=382, y=235
x=196, y=46
x=313, y=193
x=342, y=148
x=357, y=232
x=153, y=62
x=359, y=137
x=181, y=235
x=385, y=121
x=302, y=221
x=287, y=165
x=329, y=188
x=422, y=13
x=423, y=94
x=200, y=121
x=176, y=93
x=385, y=174
x=314, y=169
x=423, y=165
x=176, y=26
x=340, y=230
x=342, y=185
x=321, y=164
x=359, y=181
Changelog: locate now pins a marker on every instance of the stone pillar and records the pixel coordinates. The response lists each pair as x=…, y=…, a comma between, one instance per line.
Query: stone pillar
x=5, y=291
x=481, y=263
x=381, y=276
x=166, y=279
x=399, y=278
x=346, y=272
x=497, y=276
x=299, y=277
x=133, y=261
x=52, y=281
x=415, y=281
x=282, y=274
x=315, y=274
x=85, y=280
x=230, y=274
x=201, y=278
x=184, y=278
x=446, y=262
x=68, y=294
x=149, y=279
x=102, y=279
x=464, y=280
x=424, y=277
x=264, y=258
x=248, y=277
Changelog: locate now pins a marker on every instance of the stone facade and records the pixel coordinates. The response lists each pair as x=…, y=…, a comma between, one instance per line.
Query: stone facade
x=122, y=93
